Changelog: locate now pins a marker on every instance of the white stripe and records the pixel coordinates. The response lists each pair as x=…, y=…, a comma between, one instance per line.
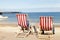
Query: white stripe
x=42, y=22
x=18, y=19
x=22, y=20
x=49, y=23
x=46, y=23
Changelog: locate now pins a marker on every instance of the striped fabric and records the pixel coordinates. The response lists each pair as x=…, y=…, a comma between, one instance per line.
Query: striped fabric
x=22, y=20
x=46, y=23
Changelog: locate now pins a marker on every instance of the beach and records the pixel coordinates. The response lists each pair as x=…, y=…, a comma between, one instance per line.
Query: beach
x=9, y=33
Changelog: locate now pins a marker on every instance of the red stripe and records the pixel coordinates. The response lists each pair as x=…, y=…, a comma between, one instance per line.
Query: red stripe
x=46, y=22
x=41, y=22
x=22, y=19
x=50, y=23
x=19, y=19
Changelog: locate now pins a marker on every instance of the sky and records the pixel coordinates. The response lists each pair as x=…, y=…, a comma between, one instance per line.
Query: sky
x=30, y=5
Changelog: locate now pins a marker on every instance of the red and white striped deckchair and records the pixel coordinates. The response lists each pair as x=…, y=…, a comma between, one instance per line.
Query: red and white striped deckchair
x=22, y=20
x=46, y=23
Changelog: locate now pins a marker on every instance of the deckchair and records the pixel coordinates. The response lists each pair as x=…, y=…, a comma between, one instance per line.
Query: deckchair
x=22, y=21
x=46, y=24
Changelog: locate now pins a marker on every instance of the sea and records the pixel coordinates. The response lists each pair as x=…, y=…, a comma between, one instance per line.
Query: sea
x=31, y=16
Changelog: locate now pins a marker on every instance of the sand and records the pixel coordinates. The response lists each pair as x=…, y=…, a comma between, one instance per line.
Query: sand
x=9, y=33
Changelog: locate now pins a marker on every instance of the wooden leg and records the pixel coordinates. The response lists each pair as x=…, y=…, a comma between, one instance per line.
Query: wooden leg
x=53, y=30
x=42, y=32
x=18, y=34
